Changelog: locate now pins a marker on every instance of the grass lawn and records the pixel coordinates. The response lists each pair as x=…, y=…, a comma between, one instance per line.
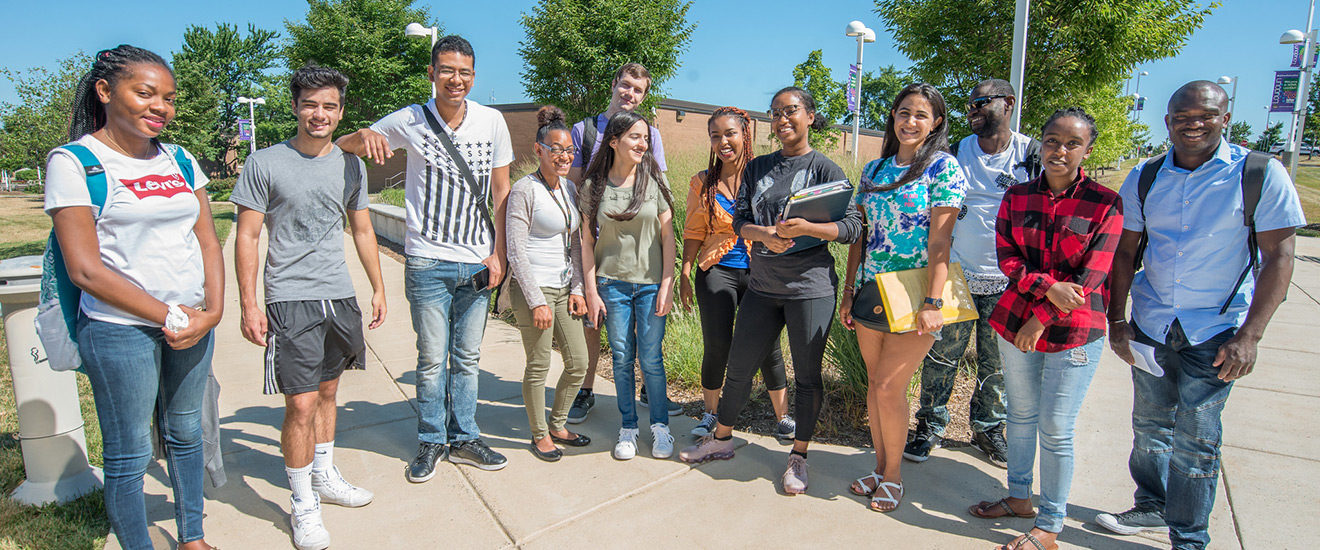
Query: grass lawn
x=81, y=524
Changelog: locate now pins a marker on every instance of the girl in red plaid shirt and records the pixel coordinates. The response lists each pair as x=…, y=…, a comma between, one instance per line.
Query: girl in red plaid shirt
x=1056, y=237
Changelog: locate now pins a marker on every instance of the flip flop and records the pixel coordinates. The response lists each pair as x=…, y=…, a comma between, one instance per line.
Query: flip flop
x=982, y=510
x=861, y=482
x=889, y=496
x=1025, y=538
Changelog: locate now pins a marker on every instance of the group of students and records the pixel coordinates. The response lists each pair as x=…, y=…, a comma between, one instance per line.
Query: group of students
x=588, y=240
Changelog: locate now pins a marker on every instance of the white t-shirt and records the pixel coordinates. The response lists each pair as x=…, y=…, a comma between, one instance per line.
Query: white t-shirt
x=145, y=229
x=444, y=222
x=974, y=233
x=554, y=218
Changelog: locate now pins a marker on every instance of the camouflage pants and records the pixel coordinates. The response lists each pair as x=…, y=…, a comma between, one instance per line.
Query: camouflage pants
x=940, y=368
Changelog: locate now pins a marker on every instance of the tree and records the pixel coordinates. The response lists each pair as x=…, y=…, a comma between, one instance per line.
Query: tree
x=573, y=48
x=213, y=70
x=813, y=76
x=40, y=121
x=364, y=40
x=878, y=92
x=1075, y=50
x=1273, y=134
x=1239, y=132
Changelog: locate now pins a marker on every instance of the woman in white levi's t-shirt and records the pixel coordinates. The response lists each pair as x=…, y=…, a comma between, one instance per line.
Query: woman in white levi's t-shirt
x=151, y=247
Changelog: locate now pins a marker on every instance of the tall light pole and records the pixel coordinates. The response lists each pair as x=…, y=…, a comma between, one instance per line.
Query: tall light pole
x=1299, y=111
x=418, y=29
x=1018, y=69
x=1232, y=101
x=863, y=35
x=252, y=117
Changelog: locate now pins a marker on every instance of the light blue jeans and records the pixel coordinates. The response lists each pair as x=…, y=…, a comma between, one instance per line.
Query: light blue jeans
x=449, y=317
x=136, y=377
x=635, y=334
x=1045, y=392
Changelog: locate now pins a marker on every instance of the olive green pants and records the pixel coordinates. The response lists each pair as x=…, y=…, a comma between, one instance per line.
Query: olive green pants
x=564, y=330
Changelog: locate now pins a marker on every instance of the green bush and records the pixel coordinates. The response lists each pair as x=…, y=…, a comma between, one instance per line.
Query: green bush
x=683, y=348
x=391, y=196
x=221, y=188
x=34, y=189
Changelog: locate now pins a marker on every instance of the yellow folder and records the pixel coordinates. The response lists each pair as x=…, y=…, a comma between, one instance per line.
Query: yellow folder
x=904, y=293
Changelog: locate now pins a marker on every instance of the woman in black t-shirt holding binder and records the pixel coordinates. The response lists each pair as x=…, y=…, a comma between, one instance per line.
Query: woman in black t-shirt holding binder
x=793, y=289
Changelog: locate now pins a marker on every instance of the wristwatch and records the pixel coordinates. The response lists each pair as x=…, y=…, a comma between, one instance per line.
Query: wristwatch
x=937, y=302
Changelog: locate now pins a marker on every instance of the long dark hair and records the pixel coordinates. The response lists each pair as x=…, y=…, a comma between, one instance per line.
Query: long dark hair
x=716, y=165
x=936, y=141
x=110, y=66
x=598, y=173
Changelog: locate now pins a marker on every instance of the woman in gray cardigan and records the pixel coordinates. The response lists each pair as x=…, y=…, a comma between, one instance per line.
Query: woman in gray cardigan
x=545, y=259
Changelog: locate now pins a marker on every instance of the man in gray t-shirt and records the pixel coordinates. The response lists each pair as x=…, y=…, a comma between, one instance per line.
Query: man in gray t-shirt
x=302, y=190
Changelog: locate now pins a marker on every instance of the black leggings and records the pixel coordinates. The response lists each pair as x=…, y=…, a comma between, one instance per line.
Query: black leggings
x=719, y=290
x=760, y=319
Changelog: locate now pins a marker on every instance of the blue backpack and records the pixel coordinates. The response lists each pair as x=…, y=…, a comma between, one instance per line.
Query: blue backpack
x=57, y=310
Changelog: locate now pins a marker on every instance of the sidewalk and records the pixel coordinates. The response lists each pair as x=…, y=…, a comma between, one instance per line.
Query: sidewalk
x=590, y=500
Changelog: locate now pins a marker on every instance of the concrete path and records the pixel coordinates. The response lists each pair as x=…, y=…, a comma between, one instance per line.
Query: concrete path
x=588, y=499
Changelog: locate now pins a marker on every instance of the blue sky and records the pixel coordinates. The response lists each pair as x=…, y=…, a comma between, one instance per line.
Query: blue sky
x=737, y=56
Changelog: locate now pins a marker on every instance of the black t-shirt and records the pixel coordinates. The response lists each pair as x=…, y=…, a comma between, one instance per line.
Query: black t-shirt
x=768, y=182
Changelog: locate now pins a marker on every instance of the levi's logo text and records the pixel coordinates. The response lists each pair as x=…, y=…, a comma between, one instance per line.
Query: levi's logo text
x=157, y=186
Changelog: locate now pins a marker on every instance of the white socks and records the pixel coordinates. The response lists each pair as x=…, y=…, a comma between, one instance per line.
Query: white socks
x=324, y=457
x=300, y=481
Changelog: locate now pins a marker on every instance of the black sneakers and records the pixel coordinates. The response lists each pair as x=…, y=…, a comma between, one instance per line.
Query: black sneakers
x=1133, y=521
x=423, y=467
x=582, y=404
x=991, y=442
x=923, y=442
x=476, y=453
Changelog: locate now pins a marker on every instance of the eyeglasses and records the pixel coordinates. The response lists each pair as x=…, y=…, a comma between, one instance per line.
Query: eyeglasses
x=449, y=72
x=786, y=112
x=982, y=101
x=557, y=151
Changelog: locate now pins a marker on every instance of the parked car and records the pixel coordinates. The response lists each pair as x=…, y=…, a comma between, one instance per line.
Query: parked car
x=1305, y=149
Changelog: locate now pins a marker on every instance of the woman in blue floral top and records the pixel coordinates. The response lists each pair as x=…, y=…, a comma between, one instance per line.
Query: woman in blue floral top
x=911, y=196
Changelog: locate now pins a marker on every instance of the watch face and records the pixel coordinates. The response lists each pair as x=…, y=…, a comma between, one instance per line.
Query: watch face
x=937, y=302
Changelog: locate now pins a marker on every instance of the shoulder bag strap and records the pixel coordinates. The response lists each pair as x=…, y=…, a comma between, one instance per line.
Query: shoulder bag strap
x=463, y=169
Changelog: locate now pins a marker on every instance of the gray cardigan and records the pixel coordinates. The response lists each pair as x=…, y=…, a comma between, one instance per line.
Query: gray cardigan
x=517, y=221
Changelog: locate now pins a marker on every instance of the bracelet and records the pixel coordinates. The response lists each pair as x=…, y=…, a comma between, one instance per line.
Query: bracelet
x=847, y=288
x=1114, y=321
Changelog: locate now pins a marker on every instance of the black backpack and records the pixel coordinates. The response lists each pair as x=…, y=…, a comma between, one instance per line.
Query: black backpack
x=1031, y=163
x=588, y=140
x=1253, y=181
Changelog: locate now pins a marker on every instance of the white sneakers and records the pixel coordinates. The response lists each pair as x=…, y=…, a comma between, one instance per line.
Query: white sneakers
x=334, y=489
x=662, y=444
x=626, y=448
x=308, y=531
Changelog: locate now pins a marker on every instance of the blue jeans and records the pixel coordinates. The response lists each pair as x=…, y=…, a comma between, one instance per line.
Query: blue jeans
x=449, y=317
x=1045, y=392
x=635, y=334
x=137, y=378
x=1176, y=433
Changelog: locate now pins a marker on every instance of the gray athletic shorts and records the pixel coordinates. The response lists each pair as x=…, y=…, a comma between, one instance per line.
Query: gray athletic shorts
x=311, y=341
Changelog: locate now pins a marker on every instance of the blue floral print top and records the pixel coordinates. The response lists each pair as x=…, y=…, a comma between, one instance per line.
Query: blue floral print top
x=900, y=218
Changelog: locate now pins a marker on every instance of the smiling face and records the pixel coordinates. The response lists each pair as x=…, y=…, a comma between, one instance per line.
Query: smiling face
x=790, y=120
x=452, y=73
x=141, y=102
x=551, y=163
x=914, y=118
x=319, y=112
x=1065, y=143
x=629, y=92
x=726, y=138
x=1196, y=120
x=632, y=144
x=989, y=117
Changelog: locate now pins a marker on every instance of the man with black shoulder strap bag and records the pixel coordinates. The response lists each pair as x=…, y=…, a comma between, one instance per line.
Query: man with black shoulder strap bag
x=456, y=188
x=627, y=91
x=1214, y=225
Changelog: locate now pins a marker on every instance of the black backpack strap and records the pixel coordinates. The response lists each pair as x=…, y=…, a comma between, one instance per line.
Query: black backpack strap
x=1032, y=163
x=588, y=140
x=953, y=149
x=463, y=170
x=1144, y=182
x=1253, y=183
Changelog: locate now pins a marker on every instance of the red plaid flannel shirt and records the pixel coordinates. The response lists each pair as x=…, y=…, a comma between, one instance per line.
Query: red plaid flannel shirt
x=1043, y=239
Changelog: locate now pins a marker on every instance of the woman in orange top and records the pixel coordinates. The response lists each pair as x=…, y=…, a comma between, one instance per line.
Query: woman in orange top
x=722, y=262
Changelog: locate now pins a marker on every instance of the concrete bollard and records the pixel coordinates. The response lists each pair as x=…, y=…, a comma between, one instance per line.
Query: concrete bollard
x=50, y=423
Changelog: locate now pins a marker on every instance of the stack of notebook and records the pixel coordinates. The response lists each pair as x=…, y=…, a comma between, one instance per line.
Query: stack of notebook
x=827, y=202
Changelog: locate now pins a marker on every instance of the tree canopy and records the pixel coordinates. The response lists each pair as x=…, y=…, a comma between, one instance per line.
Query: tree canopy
x=573, y=48
x=40, y=121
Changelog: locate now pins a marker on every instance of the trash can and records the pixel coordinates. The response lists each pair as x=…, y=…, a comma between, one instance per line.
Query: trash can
x=50, y=423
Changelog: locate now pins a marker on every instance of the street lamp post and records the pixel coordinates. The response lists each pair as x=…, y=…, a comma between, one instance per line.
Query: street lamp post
x=1232, y=101
x=1299, y=111
x=863, y=35
x=252, y=117
x=418, y=29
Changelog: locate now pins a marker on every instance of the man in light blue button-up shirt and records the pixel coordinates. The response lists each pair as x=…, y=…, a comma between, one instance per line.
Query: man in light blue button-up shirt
x=1193, y=218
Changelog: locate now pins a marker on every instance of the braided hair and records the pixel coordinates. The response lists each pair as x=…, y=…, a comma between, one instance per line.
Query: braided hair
x=1077, y=113
x=716, y=165
x=598, y=173
x=108, y=65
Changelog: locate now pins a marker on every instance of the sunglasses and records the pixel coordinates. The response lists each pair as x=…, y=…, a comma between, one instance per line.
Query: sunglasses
x=982, y=101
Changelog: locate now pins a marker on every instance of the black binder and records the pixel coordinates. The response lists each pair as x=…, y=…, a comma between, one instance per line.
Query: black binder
x=826, y=202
